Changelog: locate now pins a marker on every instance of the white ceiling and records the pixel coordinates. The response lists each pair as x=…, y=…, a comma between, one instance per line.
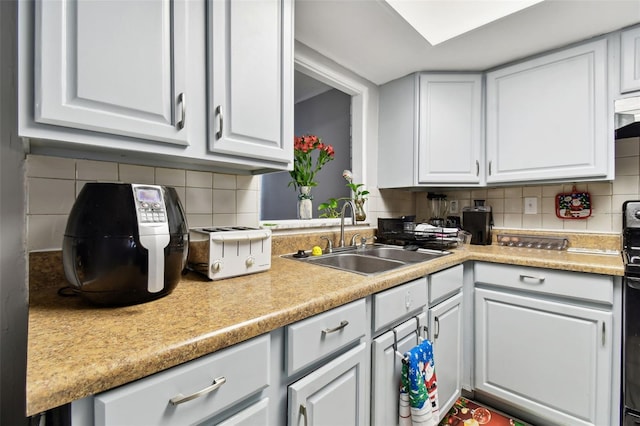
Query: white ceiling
x=371, y=39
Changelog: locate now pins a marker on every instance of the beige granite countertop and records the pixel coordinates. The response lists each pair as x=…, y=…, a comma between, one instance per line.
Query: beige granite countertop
x=76, y=349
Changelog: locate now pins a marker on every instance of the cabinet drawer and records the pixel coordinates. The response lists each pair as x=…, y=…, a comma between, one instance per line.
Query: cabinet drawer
x=444, y=283
x=313, y=338
x=395, y=304
x=256, y=414
x=245, y=367
x=574, y=285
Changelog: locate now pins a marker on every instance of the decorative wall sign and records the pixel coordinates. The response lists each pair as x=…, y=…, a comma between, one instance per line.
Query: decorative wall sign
x=573, y=205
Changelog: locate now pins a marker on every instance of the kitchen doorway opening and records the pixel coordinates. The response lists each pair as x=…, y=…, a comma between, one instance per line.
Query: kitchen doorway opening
x=332, y=82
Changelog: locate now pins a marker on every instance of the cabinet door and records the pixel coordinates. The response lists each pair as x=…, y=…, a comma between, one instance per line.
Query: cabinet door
x=250, y=74
x=450, y=129
x=333, y=394
x=550, y=359
x=445, y=326
x=113, y=67
x=630, y=60
x=547, y=118
x=386, y=369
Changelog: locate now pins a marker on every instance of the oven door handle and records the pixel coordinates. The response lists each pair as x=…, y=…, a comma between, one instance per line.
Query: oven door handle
x=633, y=282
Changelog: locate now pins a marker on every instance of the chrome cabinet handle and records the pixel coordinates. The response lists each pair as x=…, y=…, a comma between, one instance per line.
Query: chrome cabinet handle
x=477, y=168
x=437, y=327
x=489, y=168
x=221, y=120
x=179, y=398
x=342, y=325
x=531, y=277
x=604, y=333
x=182, y=102
x=303, y=413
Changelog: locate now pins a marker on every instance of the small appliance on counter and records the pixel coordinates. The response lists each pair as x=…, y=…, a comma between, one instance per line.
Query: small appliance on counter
x=478, y=220
x=439, y=208
x=125, y=243
x=225, y=252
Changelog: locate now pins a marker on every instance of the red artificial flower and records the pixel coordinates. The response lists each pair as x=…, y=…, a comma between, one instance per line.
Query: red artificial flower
x=304, y=168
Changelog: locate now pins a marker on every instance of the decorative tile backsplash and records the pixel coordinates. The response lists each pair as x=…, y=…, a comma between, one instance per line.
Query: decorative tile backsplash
x=208, y=198
x=225, y=200
x=507, y=203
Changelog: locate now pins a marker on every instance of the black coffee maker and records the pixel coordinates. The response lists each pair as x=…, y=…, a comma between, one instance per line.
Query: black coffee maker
x=478, y=221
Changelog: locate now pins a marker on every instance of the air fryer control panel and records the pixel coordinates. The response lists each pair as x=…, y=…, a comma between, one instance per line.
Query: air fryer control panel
x=149, y=204
x=153, y=228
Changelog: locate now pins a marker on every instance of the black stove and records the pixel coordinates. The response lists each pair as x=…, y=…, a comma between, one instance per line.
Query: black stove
x=631, y=313
x=631, y=236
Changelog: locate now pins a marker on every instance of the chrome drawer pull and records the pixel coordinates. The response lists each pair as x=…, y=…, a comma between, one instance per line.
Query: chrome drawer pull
x=531, y=277
x=342, y=325
x=179, y=398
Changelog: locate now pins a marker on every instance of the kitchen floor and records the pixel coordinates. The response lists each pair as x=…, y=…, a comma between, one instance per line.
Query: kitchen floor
x=468, y=413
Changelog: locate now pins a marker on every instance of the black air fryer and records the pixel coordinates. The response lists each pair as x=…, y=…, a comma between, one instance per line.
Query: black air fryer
x=125, y=243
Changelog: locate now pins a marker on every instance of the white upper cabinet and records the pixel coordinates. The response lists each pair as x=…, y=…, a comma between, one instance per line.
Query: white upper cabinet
x=548, y=118
x=146, y=81
x=250, y=71
x=630, y=60
x=114, y=67
x=449, y=132
x=430, y=131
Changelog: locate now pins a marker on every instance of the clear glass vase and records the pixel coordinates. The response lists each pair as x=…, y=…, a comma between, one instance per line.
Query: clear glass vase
x=305, y=203
x=360, y=213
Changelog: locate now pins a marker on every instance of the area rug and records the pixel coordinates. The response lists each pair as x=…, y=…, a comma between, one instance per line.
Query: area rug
x=469, y=413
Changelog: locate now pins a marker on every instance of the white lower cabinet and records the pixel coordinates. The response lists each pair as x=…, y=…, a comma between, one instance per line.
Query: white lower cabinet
x=194, y=392
x=446, y=333
x=386, y=366
x=445, y=325
x=321, y=335
x=549, y=358
x=334, y=394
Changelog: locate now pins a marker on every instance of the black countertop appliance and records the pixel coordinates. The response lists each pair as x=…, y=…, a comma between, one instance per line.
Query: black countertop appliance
x=478, y=221
x=125, y=243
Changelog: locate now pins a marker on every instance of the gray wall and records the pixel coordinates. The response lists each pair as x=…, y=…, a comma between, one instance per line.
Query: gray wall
x=13, y=288
x=327, y=116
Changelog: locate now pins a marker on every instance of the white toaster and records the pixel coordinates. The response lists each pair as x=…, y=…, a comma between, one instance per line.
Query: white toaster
x=229, y=251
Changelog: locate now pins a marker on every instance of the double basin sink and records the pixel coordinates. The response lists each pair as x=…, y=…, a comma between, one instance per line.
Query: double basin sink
x=372, y=259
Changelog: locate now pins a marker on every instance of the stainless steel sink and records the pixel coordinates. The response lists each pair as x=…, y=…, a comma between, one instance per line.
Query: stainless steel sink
x=356, y=263
x=372, y=259
x=398, y=253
